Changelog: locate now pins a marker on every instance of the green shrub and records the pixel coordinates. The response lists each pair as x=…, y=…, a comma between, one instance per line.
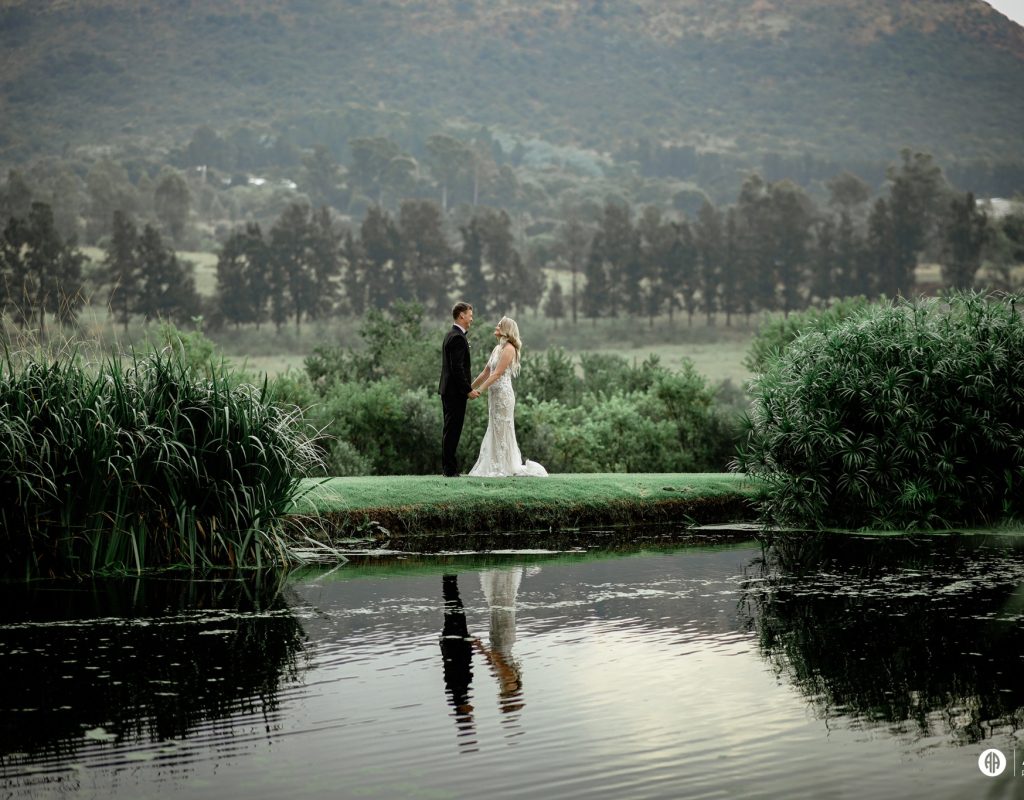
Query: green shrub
x=139, y=463
x=906, y=414
x=398, y=346
x=776, y=331
x=395, y=430
x=549, y=376
x=378, y=409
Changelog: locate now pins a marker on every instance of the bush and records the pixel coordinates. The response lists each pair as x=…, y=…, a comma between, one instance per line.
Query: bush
x=776, y=331
x=140, y=463
x=907, y=414
x=396, y=431
x=379, y=410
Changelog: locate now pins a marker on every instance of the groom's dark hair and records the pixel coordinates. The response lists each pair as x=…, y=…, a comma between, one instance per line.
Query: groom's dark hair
x=460, y=308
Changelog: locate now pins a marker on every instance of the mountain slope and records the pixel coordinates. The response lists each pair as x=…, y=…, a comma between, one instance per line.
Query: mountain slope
x=857, y=79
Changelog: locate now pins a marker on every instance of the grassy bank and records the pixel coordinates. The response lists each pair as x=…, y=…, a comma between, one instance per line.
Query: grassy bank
x=404, y=509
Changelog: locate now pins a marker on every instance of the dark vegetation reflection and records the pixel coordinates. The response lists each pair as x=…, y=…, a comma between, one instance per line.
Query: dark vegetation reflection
x=148, y=658
x=927, y=631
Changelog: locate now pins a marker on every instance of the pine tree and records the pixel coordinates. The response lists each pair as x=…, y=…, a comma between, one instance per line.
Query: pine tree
x=709, y=240
x=380, y=242
x=292, y=282
x=554, y=306
x=595, y=296
x=425, y=256
x=168, y=288
x=354, y=260
x=325, y=262
x=120, y=270
x=966, y=232
x=574, y=241
x=40, y=273
x=474, y=281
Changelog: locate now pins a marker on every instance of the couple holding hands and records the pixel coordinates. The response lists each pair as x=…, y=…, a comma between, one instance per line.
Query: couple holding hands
x=499, y=452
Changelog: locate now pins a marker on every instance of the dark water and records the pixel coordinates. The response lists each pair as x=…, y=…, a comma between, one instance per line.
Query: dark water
x=820, y=667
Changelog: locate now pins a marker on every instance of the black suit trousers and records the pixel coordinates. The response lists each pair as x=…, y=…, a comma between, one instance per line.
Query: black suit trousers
x=454, y=410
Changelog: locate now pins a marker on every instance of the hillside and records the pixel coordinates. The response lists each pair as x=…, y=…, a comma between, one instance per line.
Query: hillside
x=853, y=80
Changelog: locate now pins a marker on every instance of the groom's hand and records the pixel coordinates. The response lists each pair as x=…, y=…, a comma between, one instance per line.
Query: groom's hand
x=473, y=394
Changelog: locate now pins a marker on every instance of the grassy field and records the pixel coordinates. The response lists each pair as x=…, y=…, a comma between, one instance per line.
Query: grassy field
x=717, y=350
x=419, y=505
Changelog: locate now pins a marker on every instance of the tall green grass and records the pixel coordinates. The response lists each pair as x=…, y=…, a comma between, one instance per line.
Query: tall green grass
x=141, y=461
x=907, y=414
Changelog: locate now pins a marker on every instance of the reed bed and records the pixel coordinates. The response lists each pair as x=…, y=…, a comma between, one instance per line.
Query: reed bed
x=133, y=462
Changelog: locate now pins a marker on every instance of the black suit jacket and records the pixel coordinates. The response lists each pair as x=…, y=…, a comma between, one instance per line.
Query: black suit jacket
x=455, y=374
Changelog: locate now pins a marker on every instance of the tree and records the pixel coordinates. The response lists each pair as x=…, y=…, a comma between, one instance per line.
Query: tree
x=617, y=244
x=916, y=193
x=15, y=197
x=109, y=190
x=321, y=176
x=325, y=260
x=425, y=257
x=730, y=274
x=354, y=258
x=292, y=281
x=447, y=158
x=754, y=228
x=207, y=148
x=709, y=239
x=965, y=235
x=681, y=275
x=504, y=264
x=595, y=300
x=41, y=273
x=372, y=159
x=849, y=274
x=846, y=191
x=171, y=201
x=243, y=277
x=380, y=241
x=554, y=306
x=120, y=268
x=656, y=240
x=824, y=261
x=573, y=243
x=881, y=273
x=168, y=288
x=791, y=216
x=474, y=281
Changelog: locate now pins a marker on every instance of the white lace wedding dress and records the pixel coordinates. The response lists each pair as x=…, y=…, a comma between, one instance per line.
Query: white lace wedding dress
x=499, y=451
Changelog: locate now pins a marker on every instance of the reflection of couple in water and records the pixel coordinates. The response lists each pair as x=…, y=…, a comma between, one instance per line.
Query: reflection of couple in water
x=457, y=646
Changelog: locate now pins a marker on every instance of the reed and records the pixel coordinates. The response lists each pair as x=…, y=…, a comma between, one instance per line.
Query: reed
x=133, y=462
x=906, y=415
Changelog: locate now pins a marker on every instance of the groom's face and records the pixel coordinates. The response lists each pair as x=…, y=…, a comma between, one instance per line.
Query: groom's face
x=466, y=319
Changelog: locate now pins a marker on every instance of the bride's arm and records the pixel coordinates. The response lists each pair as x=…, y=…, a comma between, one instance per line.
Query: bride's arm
x=507, y=354
x=482, y=376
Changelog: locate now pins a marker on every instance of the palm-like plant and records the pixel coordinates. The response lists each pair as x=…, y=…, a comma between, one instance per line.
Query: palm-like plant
x=905, y=414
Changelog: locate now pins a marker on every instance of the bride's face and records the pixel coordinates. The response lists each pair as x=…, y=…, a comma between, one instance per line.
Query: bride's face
x=497, y=332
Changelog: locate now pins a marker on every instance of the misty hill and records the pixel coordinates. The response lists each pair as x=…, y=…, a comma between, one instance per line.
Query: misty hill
x=851, y=80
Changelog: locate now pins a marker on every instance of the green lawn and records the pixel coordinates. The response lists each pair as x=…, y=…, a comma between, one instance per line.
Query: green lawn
x=430, y=504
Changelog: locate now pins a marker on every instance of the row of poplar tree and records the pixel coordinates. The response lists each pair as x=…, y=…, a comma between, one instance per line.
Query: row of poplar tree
x=771, y=250
x=43, y=275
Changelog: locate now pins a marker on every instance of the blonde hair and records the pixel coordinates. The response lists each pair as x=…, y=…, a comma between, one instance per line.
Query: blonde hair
x=509, y=332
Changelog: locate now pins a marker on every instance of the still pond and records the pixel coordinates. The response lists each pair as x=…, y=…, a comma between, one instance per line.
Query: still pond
x=825, y=666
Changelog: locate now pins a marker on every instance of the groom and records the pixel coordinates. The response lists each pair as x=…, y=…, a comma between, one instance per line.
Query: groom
x=456, y=386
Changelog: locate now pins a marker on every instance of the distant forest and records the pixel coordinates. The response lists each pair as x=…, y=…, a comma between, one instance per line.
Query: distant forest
x=302, y=255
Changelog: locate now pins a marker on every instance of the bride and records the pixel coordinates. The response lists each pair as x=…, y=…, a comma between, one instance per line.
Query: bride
x=499, y=451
